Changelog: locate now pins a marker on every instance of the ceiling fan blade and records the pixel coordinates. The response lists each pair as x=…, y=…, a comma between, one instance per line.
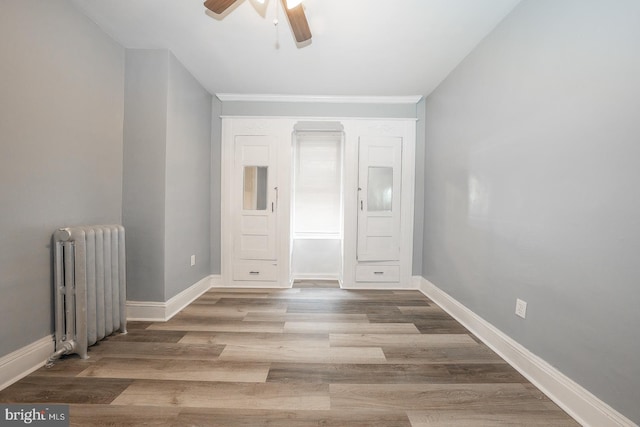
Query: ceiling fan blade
x=218, y=6
x=298, y=22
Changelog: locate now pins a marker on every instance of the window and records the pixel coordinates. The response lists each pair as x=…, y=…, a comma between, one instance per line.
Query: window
x=318, y=184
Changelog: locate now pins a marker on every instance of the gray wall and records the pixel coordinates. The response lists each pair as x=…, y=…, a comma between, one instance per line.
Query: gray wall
x=317, y=109
x=166, y=206
x=531, y=188
x=188, y=185
x=61, y=110
x=418, y=200
x=216, y=186
x=143, y=205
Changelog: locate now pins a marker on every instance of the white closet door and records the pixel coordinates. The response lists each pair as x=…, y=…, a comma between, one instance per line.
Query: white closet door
x=379, y=198
x=255, y=197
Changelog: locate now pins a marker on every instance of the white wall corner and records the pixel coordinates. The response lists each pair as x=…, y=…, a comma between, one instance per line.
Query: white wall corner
x=25, y=360
x=416, y=282
x=153, y=311
x=577, y=401
x=215, y=281
x=186, y=297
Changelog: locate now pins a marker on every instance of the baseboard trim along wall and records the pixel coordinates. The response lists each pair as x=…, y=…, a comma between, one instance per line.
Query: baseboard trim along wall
x=31, y=357
x=152, y=311
x=577, y=401
x=25, y=360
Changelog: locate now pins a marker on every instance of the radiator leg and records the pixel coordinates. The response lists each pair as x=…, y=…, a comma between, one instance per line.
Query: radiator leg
x=67, y=348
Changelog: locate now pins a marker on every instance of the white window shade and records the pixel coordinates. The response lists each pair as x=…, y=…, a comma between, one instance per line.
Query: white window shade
x=318, y=184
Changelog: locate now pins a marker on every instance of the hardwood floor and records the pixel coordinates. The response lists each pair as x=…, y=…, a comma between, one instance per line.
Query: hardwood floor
x=308, y=356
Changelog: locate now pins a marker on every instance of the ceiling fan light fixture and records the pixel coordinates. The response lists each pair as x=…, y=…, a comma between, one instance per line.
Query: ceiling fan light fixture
x=293, y=3
x=294, y=11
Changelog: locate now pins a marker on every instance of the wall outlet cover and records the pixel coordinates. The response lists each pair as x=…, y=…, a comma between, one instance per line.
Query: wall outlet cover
x=193, y=260
x=521, y=308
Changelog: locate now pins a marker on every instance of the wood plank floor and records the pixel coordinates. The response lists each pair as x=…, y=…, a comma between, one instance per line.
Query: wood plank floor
x=307, y=356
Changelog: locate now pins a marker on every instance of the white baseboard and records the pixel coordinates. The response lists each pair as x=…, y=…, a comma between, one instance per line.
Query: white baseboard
x=416, y=281
x=162, y=311
x=25, y=360
x=577, y=401
x=380, y=286
x=311, y=276
x=31, y=357
x=251, y=284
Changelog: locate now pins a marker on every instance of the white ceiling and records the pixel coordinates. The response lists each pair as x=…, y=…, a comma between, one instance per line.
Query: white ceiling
x=359, y=47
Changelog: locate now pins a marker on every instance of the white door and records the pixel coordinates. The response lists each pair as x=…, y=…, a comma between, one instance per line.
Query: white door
x=379, y=198
x=255, y=197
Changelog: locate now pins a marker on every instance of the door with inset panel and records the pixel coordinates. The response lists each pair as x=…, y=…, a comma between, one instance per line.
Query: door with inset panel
x=379, y=198
x=255, y=196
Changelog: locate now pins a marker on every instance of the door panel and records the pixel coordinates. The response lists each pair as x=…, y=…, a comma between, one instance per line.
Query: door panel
x=379, y=196
x=254, y=197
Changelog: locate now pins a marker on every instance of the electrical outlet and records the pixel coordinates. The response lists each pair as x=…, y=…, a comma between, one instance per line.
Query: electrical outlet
x=193, y=260
x=521, y=308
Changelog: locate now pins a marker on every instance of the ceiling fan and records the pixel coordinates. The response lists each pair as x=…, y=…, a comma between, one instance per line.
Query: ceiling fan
x=293, y=8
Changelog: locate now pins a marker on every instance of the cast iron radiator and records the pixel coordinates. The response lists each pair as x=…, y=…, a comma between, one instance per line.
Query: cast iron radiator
x=90, y=286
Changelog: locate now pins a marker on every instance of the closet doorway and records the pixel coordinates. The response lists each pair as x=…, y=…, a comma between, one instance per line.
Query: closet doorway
x=317, y=213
